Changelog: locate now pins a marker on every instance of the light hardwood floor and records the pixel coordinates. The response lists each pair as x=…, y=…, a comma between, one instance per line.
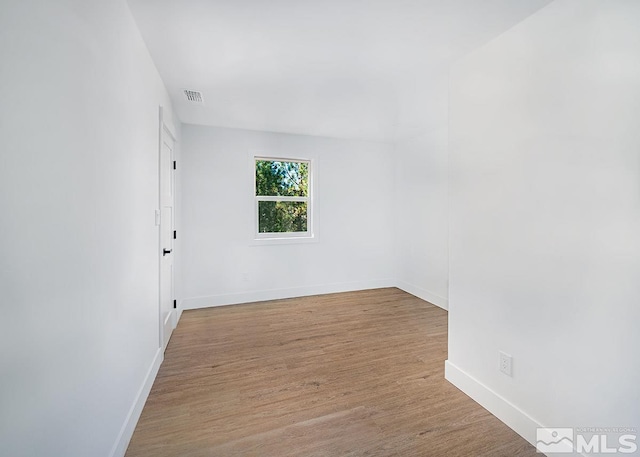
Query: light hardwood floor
x=351, y=374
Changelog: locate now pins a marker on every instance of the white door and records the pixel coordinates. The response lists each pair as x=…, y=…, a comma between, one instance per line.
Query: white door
x=168, y=313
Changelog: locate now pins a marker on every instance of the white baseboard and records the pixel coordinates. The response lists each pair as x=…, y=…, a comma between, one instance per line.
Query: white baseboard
x=515, y=418
x=519, y=421
x=129, y=426
x=277, y=294
x=180, y=310
x=423, y=294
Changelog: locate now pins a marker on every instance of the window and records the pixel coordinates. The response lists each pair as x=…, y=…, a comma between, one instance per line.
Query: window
x=283, y=198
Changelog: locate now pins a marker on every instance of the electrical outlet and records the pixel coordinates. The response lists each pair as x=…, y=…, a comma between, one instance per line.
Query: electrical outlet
x=506, y=363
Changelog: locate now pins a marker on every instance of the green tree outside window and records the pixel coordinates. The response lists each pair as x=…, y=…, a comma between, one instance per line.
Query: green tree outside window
x=282, y=194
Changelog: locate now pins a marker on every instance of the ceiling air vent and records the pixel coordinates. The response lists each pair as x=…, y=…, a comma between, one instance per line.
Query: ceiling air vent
x=194, y=96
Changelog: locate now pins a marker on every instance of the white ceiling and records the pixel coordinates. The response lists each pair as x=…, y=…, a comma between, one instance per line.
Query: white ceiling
x=364, y=69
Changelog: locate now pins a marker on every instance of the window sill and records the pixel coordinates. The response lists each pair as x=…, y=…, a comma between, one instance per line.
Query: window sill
x=284, y=240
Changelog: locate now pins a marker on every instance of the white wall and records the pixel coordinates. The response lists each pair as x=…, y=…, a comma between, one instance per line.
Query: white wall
x=78, y=246
x=354, y=201
x=545, y=218
x=421, y=216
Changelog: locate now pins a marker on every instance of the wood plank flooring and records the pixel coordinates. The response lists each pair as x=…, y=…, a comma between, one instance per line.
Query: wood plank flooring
x=351, y=374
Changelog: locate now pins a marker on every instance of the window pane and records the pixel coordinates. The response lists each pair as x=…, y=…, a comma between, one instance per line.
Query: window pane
x=286, y=179
x=279, y=217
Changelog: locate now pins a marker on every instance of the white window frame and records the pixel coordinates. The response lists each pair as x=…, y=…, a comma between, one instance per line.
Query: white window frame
x=260, y=238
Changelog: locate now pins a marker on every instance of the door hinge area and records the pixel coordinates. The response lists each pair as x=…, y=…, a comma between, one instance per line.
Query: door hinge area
x=174, y=164
x=175, y=304
x=175, y=235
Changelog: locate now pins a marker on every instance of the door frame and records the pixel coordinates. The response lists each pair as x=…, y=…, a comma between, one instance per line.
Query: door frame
x=165, y=128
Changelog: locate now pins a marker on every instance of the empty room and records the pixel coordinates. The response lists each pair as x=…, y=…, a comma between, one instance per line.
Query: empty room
x=319, y=228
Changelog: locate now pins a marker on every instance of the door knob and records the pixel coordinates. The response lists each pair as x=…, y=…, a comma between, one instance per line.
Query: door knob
x=165, y=252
